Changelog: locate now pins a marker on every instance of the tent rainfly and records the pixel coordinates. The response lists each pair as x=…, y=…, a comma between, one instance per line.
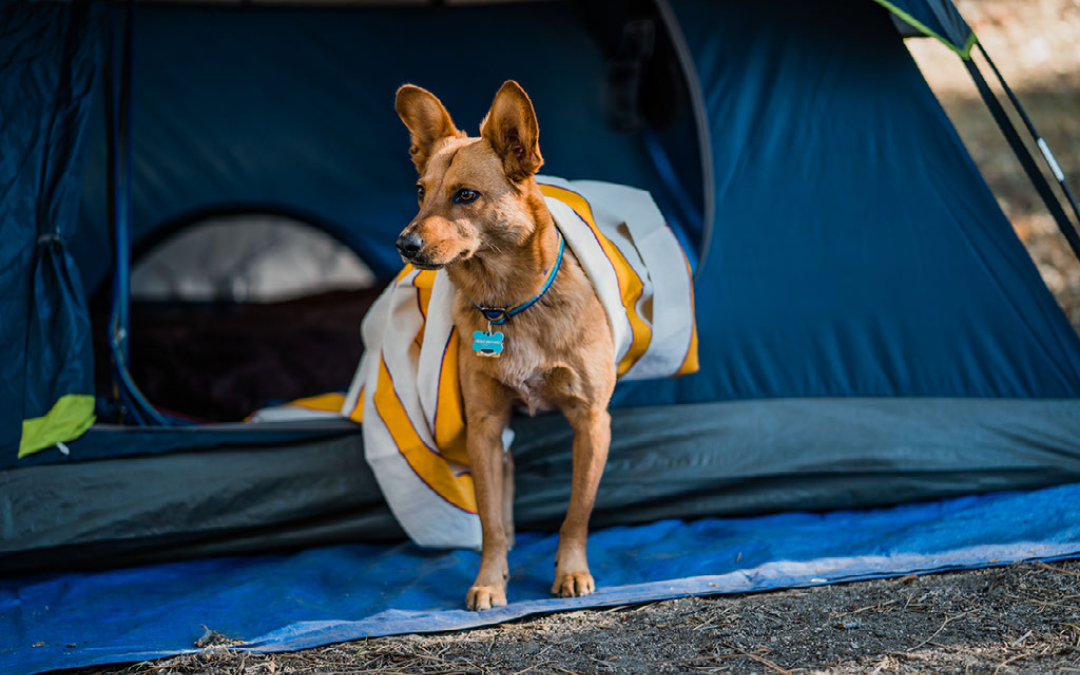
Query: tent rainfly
x=871, y=329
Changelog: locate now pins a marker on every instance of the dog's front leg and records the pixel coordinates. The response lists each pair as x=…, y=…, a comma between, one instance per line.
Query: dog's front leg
x=592, y=436
x=487, y=413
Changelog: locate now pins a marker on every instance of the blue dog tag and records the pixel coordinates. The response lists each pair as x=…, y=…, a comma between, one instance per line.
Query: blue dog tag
x=487, y=344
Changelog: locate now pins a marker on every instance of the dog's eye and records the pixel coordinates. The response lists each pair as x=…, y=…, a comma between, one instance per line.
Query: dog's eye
x=420, y=193
x=465, y=195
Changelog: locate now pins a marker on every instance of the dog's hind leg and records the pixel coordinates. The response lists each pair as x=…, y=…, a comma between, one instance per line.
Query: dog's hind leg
x=592, y=436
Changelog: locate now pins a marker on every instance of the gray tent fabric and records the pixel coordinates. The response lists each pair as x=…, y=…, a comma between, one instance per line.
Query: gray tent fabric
x=675, y=462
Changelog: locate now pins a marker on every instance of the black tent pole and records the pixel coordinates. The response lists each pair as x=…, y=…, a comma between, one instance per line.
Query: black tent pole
x=1051, y=161
x=118, y=113
x=1025, y=157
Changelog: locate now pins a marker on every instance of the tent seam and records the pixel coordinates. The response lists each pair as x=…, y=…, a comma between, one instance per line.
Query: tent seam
x=963, y=52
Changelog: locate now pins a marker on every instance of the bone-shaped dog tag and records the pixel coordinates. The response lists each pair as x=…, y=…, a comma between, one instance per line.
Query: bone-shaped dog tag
x=488, y=344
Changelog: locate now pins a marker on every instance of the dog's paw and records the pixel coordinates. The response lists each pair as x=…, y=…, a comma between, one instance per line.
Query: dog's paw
x=573, y=585
x=485, y=597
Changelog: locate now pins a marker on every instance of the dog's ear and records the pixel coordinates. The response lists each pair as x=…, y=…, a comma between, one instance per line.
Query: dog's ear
x=510, y=126
x=427, y=120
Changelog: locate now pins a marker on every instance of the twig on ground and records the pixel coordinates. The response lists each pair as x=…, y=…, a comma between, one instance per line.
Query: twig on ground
x=1033, y=601
x=205, y=639
x=880, y=605
x=1010, y=660
x=946, y=622
x=1045, y=566
x=1018, y=641
x=760, y=659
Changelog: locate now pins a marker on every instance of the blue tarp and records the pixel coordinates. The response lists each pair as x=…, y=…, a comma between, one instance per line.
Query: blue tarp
x=332, y=594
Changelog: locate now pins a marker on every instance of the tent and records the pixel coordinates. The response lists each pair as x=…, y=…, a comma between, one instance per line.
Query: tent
x=871, y=329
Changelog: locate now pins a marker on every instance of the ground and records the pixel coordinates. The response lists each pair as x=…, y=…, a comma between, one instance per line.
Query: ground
x=1021, y=619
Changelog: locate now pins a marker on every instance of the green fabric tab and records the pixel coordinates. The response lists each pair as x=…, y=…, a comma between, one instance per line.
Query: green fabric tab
x=964, y=52
x=69, y=417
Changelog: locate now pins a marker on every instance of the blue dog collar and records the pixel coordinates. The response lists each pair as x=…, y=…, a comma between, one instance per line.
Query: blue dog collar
x=497, y=316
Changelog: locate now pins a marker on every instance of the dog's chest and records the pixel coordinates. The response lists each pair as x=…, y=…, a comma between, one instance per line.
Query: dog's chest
x=525, y=369
x=525, y=373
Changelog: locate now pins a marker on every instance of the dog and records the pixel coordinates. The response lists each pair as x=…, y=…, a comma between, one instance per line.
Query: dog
x=482, y=218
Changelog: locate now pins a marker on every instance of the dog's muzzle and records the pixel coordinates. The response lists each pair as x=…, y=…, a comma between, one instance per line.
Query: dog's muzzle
x=409, y=244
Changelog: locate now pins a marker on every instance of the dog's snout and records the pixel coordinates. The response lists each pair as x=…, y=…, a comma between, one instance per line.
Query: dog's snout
x=409, y=244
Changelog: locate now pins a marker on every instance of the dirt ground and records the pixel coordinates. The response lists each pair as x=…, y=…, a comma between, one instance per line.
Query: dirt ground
x=1021, y=619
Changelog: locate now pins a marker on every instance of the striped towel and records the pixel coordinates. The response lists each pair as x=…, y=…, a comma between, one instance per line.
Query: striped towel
x=406, y=391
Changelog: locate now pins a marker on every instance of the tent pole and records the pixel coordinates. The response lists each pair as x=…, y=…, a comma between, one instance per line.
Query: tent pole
x=1043, y=147
x=118, y=115
x=1042, y=186
x=701, y=119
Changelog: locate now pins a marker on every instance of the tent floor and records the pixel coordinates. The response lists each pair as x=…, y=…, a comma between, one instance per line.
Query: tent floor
x=691, y=461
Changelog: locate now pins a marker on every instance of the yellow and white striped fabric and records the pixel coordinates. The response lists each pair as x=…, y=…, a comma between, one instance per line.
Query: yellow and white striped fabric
x=406, y=391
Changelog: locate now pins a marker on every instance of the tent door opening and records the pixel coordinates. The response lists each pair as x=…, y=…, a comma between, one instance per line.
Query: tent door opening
x=233, y=312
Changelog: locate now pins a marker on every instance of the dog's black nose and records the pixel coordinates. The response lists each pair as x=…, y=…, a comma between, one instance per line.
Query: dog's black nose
x=409, y=244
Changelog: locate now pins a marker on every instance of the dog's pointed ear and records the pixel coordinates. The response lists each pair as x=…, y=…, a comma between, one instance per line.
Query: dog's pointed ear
x=427, y=120
x=510, y=126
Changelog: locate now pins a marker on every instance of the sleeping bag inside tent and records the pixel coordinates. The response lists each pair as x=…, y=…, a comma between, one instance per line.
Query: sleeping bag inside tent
x=201, y=201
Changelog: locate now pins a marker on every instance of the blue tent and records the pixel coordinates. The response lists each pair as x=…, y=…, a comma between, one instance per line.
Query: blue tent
x=871, y=329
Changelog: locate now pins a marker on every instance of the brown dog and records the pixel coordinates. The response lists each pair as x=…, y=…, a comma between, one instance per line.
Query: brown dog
x=482, y=218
